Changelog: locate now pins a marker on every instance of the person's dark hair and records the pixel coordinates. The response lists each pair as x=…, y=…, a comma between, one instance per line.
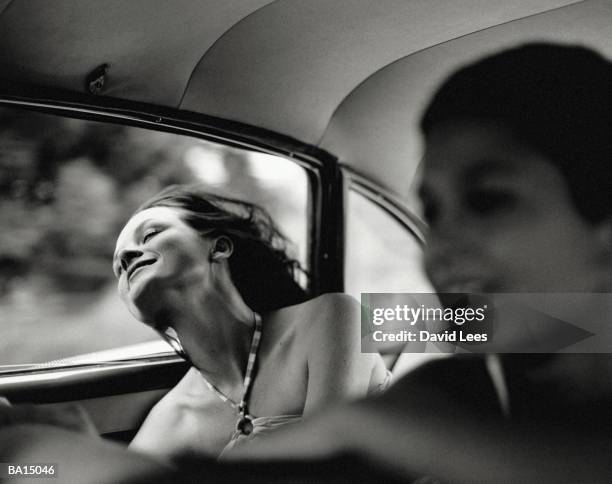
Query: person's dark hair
x=556, y=98
x=259, y=265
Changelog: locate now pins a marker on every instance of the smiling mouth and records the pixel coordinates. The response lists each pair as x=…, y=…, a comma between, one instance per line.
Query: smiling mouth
x=138, y=265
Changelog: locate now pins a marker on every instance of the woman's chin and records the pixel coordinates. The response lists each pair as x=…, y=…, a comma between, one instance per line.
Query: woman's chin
x=145, y=297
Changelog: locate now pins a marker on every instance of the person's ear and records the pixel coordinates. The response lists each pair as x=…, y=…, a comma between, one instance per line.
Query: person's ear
x=222, y=248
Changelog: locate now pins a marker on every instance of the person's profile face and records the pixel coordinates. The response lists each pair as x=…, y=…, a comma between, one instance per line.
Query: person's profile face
x=156, y=255
x=500, y=215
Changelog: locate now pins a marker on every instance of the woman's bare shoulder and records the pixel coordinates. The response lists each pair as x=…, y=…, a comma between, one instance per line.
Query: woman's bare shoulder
x=333, y=308
x=324, y=319
x=333, y=301
x=183, y=390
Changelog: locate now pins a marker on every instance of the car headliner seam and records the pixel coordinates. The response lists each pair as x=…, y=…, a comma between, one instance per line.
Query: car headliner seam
x=399, y=59
x=212, y=46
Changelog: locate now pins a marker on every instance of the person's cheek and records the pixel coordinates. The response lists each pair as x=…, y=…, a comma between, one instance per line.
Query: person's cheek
x=186, y=260
x=519, y=261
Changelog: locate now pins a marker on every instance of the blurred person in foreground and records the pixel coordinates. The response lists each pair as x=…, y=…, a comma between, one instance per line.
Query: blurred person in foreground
x=516, y=188
x=517, y=192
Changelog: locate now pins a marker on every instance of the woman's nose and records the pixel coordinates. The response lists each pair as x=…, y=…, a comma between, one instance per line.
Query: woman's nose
x=126, y=256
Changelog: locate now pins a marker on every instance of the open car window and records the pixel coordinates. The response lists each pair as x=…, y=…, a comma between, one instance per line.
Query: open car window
x=66, y=188
x=382, y=255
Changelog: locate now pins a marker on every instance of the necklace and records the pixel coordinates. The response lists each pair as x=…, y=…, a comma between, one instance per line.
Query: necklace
x=244, y=425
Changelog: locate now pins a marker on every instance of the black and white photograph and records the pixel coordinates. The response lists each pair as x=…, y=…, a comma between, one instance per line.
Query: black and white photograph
x=305, y=241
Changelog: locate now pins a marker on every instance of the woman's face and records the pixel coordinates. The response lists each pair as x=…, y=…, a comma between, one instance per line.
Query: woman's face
x=501, y=218
x=157, y=257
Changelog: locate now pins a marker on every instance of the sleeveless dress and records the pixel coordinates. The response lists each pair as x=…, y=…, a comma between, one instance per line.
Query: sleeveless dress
x=264, y=425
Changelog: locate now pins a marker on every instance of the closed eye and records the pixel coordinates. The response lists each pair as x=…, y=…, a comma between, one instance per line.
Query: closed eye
x=149, y=234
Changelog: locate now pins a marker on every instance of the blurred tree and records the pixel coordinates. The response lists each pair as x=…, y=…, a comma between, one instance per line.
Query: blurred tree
x=67, y=185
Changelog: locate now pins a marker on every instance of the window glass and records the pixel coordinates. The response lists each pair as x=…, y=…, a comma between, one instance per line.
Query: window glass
x=381, y=254
x=66, y=188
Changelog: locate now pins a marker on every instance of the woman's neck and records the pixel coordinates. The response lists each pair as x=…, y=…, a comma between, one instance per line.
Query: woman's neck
x=216, y=333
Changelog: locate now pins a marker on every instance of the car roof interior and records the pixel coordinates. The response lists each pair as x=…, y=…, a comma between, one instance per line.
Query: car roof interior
x=348, y=77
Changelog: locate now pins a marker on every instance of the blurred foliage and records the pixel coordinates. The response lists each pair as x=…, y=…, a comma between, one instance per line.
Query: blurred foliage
x=65, y=185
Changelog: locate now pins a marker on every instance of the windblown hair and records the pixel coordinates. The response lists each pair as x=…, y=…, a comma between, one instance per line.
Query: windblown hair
x=259, y=265
x=555, y=98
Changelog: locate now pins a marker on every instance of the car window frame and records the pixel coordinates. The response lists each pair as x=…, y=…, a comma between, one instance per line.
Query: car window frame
x=387, y=201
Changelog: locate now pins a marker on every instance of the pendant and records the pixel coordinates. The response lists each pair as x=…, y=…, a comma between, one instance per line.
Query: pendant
x=245, y=425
